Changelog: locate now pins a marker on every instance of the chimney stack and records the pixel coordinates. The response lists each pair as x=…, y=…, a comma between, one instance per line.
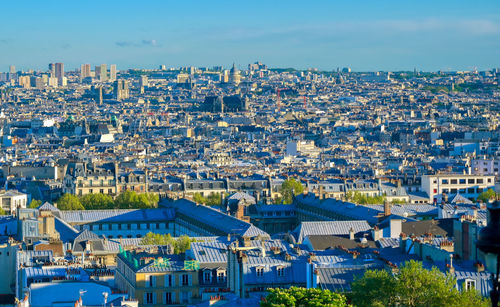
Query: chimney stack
x=387, y=208
x=351, y=234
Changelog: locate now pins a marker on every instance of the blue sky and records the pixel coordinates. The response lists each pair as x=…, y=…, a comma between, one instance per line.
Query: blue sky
x=364, y=35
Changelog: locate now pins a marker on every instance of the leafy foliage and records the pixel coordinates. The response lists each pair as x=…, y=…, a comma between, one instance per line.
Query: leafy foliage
x=303, y=297
x=132, y=200
x=412, y=286
x=126, y=200
x=180, y=244
x=214, y=199
x=69, y=202
x=486, y=195
x=362, y=199
x=96, y=201
x=35, y=203
x=289, y=188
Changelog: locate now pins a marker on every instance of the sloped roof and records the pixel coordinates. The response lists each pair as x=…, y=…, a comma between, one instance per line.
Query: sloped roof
x=329, y=228
x=87, y=235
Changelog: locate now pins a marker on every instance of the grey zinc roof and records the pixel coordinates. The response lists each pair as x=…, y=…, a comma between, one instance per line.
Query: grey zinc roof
x=117, y=215
x=329, y=228
x=214, y=218
x=87, y=235
x=338, y=279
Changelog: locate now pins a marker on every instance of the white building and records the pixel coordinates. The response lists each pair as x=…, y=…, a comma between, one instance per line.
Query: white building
x=485, y=166
x=469, y=186
x=11, y=200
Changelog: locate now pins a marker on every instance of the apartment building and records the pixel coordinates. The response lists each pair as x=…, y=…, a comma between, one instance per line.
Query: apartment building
x=469, y=186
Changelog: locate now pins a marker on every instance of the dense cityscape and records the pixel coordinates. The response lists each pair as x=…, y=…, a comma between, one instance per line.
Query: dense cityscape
x=250, y=153
x=198, y=186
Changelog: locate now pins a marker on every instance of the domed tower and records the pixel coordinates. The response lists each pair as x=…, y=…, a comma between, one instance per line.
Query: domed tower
x=234, y=75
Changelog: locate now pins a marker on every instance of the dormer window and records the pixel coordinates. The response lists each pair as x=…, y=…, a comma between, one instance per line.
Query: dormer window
x=280, y=271
x=470, y=284
x=259, y=271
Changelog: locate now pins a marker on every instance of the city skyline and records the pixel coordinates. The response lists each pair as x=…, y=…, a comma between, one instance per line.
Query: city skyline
x=449, y=35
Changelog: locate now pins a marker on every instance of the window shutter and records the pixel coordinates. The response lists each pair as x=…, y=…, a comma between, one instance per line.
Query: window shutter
x=164, y=294
x=173, y=280
x=154, y=281
x=145, y=301
x=154, y=297
x=173, y=298
x=190, y=280
x=146, y=281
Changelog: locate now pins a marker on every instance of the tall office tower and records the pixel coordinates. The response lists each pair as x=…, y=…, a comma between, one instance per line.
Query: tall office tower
x=101, y=72
x=52, y=70
x=84, y=71
x=12, y=69
x=121, y=89
x=59, y=67
x=112, y=72
x=144, y=82
x=104, y=73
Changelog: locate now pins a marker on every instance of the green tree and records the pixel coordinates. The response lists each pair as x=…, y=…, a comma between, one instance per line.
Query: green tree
x=180, y=244
x=303, y=297
x=199, y=199
x=69, y=202
x=486, y=195
x=2, y=212
x=376, y=288
x=412, y=286
x=97, y=201
x=214, y=199
x=289, y=188
x=127, y=200
x=35, y=203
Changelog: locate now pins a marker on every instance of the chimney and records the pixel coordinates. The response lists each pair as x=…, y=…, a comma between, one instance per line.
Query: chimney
x=321, y=193
x=262, y=249
x=399, y=183
x=445, y=197
x=376, y=233
x=387, y=208
x=351, y=234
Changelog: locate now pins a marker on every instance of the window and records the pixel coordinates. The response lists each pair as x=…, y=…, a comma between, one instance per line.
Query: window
x=479, y=181
x=259, y=272
x=462, y=181
x=148, y=297
x=281, y=271
x=470, y=284
x=444, y=181
x=207, y=276
x=453, y=181
x=185, y=296
x=168, y=280
x=221, y=276
x=185, y=280
x=471, y=181
x=489, y=180
x=453, y=191
x=471, y=190
x=168, y=298
x=150, y=281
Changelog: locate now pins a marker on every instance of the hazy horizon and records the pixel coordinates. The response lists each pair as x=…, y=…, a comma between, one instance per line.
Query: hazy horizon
x=367, y=36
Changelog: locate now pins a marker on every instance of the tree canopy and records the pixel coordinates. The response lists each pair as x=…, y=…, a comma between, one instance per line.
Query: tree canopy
x=125, y=200
x=289, y=188
x=362, y=199
x=69, y=202
x=412, y=286
x=214, y=199
x=303, y=297
x=35, y=203
x=180, y=244
x=486, y=195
